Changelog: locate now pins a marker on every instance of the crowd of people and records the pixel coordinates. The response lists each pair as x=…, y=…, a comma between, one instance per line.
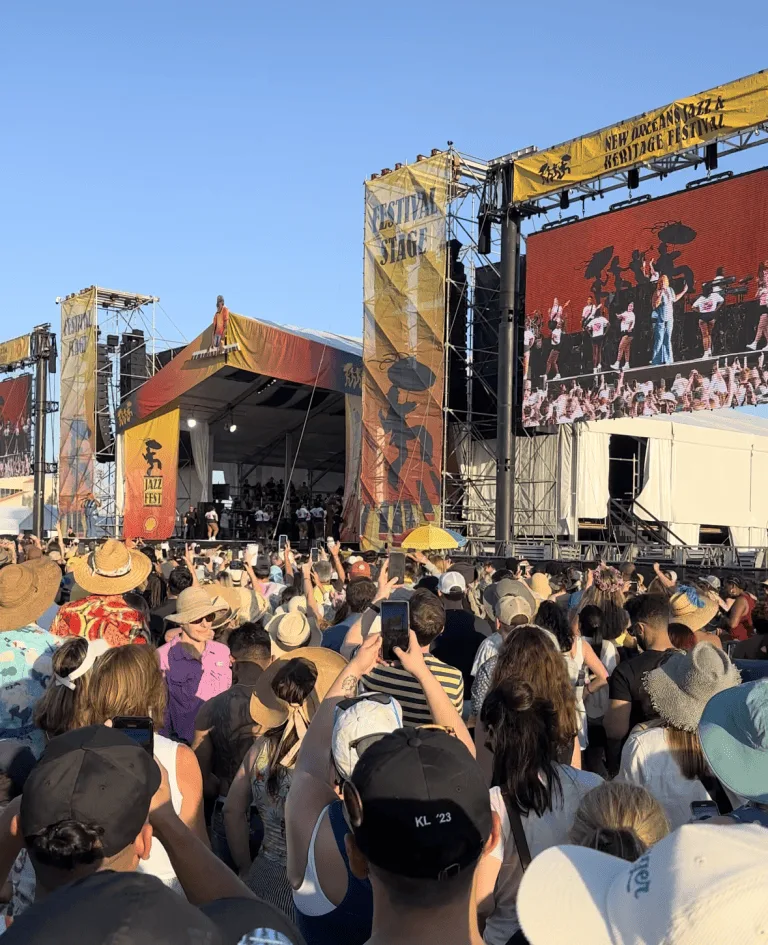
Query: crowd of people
x=237, y=751
x=742, y=383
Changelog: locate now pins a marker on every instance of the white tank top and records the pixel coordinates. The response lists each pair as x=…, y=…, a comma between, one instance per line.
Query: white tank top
x=158, y=863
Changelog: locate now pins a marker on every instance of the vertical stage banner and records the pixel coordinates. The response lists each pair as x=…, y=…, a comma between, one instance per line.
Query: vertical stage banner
x=404, y=288
x=77, y=410
x=151, y=461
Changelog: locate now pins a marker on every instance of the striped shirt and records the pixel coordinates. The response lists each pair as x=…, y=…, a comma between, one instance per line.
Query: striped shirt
x=404, y=687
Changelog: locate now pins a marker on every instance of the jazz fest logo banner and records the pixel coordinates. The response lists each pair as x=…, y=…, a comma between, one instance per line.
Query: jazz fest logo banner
x=683, y=124
x=151, y=450
x=17, y=349
x=77, y=408
x=403, y=335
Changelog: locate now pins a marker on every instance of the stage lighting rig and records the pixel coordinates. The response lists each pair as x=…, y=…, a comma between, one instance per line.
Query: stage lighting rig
x=191, y=422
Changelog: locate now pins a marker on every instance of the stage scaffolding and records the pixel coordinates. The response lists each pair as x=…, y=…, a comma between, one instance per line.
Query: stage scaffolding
x=133, y=343
x=470, y=421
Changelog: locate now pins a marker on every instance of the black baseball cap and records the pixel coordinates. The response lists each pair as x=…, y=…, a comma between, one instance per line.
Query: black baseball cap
x=419, y=804
x=16, y=762
x=94, y=775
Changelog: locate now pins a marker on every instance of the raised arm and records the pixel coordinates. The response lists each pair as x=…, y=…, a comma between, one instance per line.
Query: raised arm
x=334, y=550
x=442, y=709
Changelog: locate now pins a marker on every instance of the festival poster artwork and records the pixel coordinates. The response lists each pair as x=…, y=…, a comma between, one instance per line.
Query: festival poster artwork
x=404, y=278
x=661, y=307
x=151, y=451
x=77, y=409
x=686, y=123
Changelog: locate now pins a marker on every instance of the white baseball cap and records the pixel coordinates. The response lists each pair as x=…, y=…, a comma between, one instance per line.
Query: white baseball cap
x=704, y=884
x=451, y=581
x=360, y=722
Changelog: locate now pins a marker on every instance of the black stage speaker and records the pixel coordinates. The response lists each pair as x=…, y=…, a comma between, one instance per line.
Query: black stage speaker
x=105, y=441
x=134, y=368
x=220, y=492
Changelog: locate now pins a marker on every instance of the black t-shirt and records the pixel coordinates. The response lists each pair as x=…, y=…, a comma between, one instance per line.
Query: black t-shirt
x=458, y=644
x=157, y=617
x=626, y=684
x=751, y=649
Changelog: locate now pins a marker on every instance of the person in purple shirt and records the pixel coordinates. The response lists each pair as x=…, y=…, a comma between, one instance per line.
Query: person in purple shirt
x=194, y=666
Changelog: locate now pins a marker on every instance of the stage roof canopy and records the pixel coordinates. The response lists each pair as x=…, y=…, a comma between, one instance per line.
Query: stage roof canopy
x=269, y=380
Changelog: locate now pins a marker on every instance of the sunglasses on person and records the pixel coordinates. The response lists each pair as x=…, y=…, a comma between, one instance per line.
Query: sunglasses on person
x=208, y=618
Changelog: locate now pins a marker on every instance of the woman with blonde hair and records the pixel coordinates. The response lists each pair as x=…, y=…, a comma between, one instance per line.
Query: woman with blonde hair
x=126, y=681
x=618, y=818
x=663, y=317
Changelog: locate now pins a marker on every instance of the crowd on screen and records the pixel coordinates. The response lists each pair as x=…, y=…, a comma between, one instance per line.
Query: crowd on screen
x=236, y=751
x=741, y=382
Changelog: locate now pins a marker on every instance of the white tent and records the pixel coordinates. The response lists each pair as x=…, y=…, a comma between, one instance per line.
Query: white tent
x=15, y=519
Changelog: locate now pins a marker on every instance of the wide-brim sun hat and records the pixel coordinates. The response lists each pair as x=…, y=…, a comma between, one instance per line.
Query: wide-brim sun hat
x=733, y=732
x=290, y=632
x=26, y=591
x=268, y=711
x=691, y=609
x=111, y=568
x=194, y=603
x=540, y=585
x=681, y=687
x=231, y=596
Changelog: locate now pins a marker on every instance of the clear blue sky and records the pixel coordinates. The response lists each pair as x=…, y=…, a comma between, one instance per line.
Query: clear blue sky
x=191, y=148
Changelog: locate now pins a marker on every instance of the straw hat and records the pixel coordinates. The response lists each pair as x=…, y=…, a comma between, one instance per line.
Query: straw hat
x=26, y=591
x=270, y=712
x=681, y=687
x=290, y=632
x=111, y=568
x=194, y=603
x=691, y=609
x=232, y=597
x=540, y=585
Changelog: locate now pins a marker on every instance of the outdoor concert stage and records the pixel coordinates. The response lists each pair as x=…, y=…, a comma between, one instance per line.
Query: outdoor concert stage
x=265, y=401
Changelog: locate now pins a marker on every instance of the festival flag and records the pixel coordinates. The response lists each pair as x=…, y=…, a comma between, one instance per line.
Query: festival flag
x=151, y=450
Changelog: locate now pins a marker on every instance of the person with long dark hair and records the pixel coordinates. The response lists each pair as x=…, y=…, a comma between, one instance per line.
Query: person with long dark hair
x=533, y=795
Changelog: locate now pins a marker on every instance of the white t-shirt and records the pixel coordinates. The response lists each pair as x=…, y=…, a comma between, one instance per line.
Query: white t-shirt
x=679, y=386
x=528, y=338
x=598, y=325
x=211, y=516
x=587, y=312
x=627, y=321
x=556, y=311
x=557, y=334
x=646, y=760
x=708, y=303
x=317, y=512
x=487, y=650
x=541, y=833
x=302, y=514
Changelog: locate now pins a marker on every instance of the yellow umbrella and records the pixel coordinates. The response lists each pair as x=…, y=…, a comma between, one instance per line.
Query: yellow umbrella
x=428, y=538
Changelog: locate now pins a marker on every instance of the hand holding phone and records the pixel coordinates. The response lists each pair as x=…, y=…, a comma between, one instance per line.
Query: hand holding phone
x=703, y=810
x=397, y=566
x=395, y=623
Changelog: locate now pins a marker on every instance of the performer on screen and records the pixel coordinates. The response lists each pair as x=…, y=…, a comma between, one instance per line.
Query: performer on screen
x=707, y=305
x=627, y=326
x=589, y=311
x=663, y=318
x=598, y=325
x=762, y=300
x=555, y=337
x=529, y=339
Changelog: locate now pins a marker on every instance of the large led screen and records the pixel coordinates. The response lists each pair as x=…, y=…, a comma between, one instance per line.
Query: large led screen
x=661, y=307
x=15, y=438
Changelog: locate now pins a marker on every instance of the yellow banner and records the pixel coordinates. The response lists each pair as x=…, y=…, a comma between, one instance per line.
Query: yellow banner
x=77, y=409
x=684, y=124
x=151, y=451
x=404, y=279
x=17, y=349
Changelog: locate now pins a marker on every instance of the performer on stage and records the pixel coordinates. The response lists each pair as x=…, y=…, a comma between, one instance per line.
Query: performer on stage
x=663, y=317
x=762, y=298
x=707, y=305
x=627, y=325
